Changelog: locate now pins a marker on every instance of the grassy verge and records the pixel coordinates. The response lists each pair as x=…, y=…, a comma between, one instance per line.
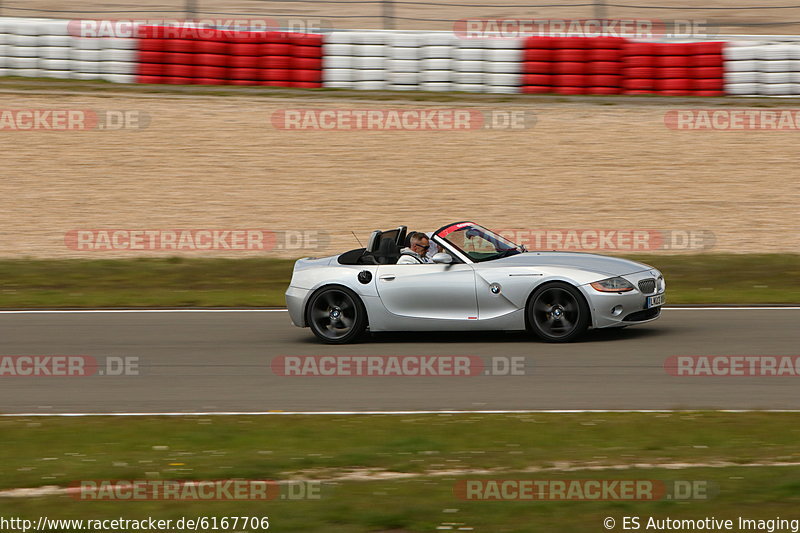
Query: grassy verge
x=178, y=282
x=439, y=449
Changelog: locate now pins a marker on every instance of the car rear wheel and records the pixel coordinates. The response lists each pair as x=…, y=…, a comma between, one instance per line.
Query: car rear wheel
x=557, y=312
x=336, y=315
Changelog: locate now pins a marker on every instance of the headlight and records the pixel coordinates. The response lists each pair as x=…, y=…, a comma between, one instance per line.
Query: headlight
x=612, y=285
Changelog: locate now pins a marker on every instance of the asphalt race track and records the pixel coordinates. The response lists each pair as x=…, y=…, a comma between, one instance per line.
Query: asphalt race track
x=220, y=362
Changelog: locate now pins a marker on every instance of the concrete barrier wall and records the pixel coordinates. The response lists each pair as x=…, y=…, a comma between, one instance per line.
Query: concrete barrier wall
x=402, y=61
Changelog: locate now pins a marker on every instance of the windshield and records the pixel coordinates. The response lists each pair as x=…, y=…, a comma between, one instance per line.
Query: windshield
x=477, y=242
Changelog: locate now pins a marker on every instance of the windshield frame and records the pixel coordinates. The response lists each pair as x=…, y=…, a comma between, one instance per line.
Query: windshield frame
x=442, y=233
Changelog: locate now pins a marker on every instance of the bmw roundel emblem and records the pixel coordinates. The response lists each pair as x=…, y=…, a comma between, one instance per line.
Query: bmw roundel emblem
x=365, y=276
x=495, y=288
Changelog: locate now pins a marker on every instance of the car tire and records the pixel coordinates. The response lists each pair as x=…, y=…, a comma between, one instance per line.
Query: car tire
x=336, y=315
x=558, y=312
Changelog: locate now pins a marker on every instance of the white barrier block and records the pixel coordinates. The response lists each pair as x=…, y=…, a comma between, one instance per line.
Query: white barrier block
x=369, y=85
x=502, y=79
x=436, y=86
x=405, y=40
x=502, y=89
x=439, y=39
x=777, y=65
x=404, y=65
x=22, y=51
x=338, y=84
x=775, y=51
x=55, y=64
x=85, y=55
x=339, y=37
x=503, y=55
x=403, y=78
x=508, y=67
x=369, y=75
x=119, y=78
x=469, y=78
x=437, y=52
x=117, y=67
x=112, y=54
x=776, y=89
x=337, y=74
x=18, y=39
x=56, y=40
x=742, y=66
x=741, y=77
x=335, y=62
x=404, y=53
x=468, y=54
x=436, y=76
x=469, y=87
x=85, y=66
x=469, y=66
x=336, y=49
x=779, y=78
x=436, y=64
x=370, y=50
x=363, y=62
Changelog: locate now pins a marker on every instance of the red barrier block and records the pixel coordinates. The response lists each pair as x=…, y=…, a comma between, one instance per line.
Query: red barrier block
x=216, y=60
x=177, y=58
x=707, y=48
x=639, y=61
x=541, y=42
x=151, y=69
x=714, y=84
x=276, y=49
x=210, y=81
x=674, y=84
x=707, y=60
x=175, y=80
x=211, y=72
x=672, y=72
x=149, y=79
x=180, y=71
x=640, y=73
x=604, y=67
x=538, y=67
x=276, y=62
x=570, y=67
x=636, y=84
x=305, y=84
x=186, y=46
x=607, y=42
x=570, y=90
x=151, y=57
x=573, y=42
x=538, y=54
x=307, y=51
x=707, y=72
x=309, y=76
x=306, y=63
x=245, y=48
x=537, y=79
x=604, y=90
x=605, y=54
x=708, y=93
x=306, y=39
x=245, y=61
x=274, y=74
x=211, y=47
x=245, y=74
x=604, y=80
x=536, y=89
x=570, y=55
x=639, y=49
x=152, y=45
x=673, y=61
x=570, y=80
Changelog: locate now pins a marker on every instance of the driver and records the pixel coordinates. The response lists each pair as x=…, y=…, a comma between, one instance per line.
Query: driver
x=416, y=254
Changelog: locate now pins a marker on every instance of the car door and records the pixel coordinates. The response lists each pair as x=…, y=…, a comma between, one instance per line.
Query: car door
x=431, y=291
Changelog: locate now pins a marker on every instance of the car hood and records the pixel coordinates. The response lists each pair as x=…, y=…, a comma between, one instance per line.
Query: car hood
x=610, y=266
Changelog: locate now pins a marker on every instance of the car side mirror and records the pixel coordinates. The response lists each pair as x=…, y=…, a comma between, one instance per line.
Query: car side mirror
x=442, y=258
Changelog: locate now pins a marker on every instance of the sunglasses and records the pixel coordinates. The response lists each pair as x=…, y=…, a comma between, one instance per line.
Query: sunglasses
x=423, y=247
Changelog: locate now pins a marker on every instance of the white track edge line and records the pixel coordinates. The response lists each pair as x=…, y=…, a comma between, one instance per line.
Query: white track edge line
x=422, y=412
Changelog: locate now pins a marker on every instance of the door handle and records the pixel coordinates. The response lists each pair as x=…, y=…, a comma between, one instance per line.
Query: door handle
x=388, y=277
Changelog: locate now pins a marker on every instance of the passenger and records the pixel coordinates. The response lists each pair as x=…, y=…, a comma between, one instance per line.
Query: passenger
x=416, y=254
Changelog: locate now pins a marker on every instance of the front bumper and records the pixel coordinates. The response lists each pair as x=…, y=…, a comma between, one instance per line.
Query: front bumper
x=623, y=309
x=295, y=303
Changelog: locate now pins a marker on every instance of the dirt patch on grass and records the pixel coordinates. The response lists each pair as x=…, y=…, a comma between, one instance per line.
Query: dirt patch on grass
x=217, y=162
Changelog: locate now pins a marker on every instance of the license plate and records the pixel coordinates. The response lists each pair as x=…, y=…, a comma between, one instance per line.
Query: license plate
x=655, y=301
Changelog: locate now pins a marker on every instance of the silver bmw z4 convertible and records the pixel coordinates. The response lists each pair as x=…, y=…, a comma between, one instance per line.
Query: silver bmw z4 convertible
x=477, y=280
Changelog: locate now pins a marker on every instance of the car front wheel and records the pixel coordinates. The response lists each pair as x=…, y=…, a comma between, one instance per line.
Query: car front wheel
x=557, y=312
